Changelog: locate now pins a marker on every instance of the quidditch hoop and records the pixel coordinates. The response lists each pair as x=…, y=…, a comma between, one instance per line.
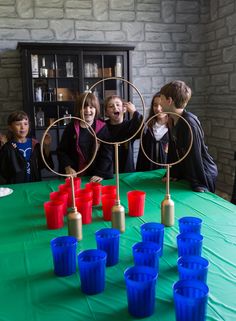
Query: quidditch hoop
x=187, y=152
x=89, y=128
x=143, y=107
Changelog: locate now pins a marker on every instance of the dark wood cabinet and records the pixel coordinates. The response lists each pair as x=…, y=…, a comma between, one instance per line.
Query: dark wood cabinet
x=53, y=74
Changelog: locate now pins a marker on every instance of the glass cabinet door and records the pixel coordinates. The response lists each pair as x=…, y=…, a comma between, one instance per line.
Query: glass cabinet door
x=105, y=65
x=55, y=83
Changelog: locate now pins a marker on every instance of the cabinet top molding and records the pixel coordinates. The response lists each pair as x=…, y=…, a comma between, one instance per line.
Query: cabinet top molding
x=81, y=46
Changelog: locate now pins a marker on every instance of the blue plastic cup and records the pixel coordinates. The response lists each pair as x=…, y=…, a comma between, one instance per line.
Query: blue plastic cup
x=189, y=244
x=64, y=255
x=140, y=287
x=147, y=253
x=153, y=232
x=92, y=265
x=190, y=299
x=107, y=240
x=190, y=224
x=193, y=268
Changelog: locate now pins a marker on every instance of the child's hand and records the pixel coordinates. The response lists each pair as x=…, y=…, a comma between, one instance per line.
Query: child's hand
x=96, y=179
x=46, y=144
x=70, y=171
x=47, y=140
x=129, y=107
x=3, y=139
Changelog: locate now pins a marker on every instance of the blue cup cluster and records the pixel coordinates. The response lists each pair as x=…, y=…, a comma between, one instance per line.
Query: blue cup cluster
x=191, y=291
x=141, y=278
x=91, y=263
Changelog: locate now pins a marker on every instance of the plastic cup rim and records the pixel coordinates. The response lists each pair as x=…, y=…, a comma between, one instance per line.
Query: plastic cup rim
x=149, y=244
x=138, y=192
x=141, y=268
x=102, y=254
x=193, y=259
x=159, y=226
x=71, y=240
x=190, y=235
x=191, y=219
x=190, y=284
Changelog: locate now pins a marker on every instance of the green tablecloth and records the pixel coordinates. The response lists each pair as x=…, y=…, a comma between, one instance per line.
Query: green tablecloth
x=31, y=292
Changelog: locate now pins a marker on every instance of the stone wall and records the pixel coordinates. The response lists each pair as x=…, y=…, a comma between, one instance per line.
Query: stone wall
x=189, y=40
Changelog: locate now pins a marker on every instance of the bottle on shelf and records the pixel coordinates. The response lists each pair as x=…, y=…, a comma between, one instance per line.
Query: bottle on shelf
x=87, y=70
x=69, y=68
x=87, y=89
x=34, y=66
x=95, y=70
x=118, y=67
x=51, y=71
x=66, y=120
x=38, y=94
x=40, y=120
x=96, y=93
x=43, y=69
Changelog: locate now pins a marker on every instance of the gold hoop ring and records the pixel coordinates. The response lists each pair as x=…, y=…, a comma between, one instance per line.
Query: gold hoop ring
x=143, y=105
x=45, y=133
x=188, y=150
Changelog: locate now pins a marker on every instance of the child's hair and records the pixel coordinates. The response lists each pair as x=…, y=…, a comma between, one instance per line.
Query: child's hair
x=110, y=98
x=17, y=116
x=91, y=100
x=151, y=111
x=178, y=91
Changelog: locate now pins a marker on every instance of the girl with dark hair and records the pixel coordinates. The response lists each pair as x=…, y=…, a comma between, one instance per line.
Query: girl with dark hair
x=155, y=138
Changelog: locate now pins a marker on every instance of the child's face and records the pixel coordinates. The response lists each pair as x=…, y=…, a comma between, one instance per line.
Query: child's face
x=157, y=108
x=157, y=105
x=20, y=129
x=88, y=114
x=115, y=111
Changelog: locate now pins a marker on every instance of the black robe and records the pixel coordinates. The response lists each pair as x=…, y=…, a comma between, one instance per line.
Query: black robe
x=13, y=165
x=198, y=167
x=71, y=154
x=122, y=132
x=149, y=143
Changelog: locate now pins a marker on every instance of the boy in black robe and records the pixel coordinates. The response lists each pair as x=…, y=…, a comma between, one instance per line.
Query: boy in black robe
x=20, y=156
x=198, y=167
x=121, y=129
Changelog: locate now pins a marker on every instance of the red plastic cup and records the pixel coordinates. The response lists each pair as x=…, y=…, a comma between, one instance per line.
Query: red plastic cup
x=67, y=188
x=54, y=211
x=96, y=188
x=108, y=201
x=60, y=196
x=109, y=189
x=77, y=182
x=83, y=192
x=84, y=207
x=136, y=202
